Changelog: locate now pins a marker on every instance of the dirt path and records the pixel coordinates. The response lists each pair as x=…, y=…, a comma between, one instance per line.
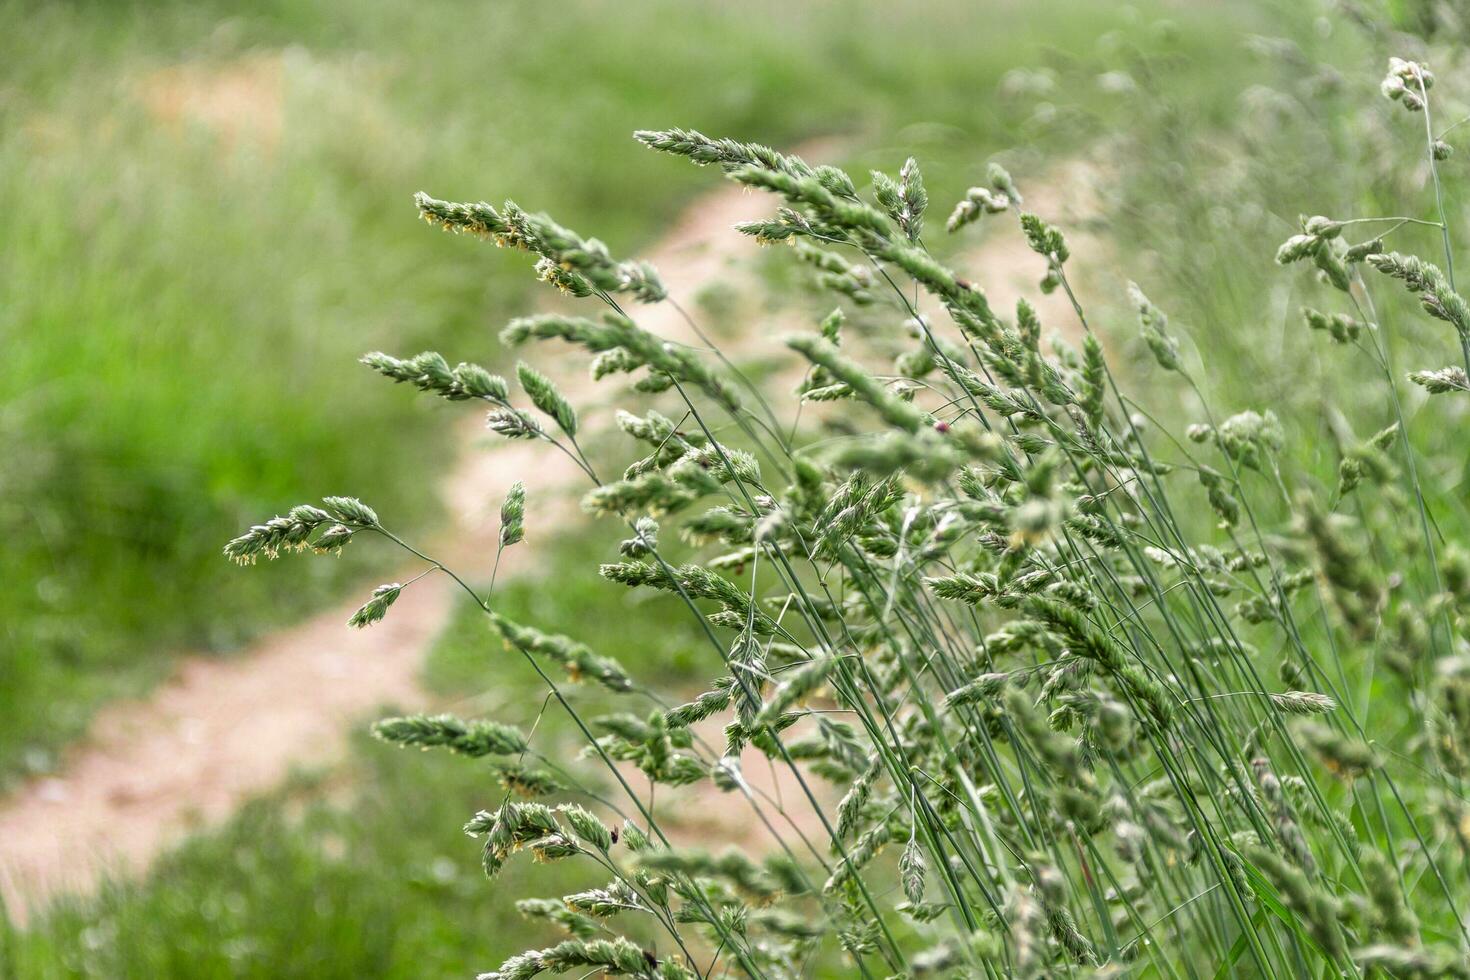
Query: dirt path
x=221, y=731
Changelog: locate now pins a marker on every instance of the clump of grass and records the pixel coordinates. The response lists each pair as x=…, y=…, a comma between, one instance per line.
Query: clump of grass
x=972, y=603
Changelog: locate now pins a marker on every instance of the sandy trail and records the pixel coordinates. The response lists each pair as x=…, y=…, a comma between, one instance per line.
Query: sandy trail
x=221, y=731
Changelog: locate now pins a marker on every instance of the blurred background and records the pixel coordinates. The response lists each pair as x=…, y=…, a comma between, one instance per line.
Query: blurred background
x=206, y=217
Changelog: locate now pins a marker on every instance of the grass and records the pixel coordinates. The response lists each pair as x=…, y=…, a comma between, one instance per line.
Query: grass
x=179, y=295
x=1248, y=899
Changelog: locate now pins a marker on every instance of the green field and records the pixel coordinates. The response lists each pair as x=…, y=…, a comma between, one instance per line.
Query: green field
x=183, y=304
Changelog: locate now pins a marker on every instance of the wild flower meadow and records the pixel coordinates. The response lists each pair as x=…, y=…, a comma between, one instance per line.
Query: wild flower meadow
x=1070, y=691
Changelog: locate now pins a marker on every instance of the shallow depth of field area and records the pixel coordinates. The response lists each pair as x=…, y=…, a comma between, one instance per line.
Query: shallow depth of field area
x=968, y=489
